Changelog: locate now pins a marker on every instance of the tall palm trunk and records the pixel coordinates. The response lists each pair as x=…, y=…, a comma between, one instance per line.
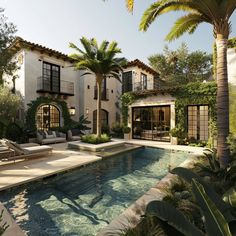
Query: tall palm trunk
x=222, y=101
x=99, y=88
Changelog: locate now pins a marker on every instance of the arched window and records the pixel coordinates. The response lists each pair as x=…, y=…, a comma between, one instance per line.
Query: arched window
x=104, y=119
x=48, y=116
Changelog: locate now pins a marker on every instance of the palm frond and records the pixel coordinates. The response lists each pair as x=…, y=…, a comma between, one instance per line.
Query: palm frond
x=130, y=5
x=185, y=24
x=161, y=7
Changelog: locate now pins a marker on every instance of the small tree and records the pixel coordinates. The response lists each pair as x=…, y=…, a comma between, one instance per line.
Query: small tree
x=9, y=105
x=100, y=61
x=181, y=66
x=7, y=31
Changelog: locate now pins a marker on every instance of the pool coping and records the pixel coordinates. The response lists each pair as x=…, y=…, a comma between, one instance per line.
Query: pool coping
x=130, y=217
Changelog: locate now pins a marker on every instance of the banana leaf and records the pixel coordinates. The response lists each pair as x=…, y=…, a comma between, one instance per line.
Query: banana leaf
x=189, y=175
x=173, y=217
x=215, y=222
x=230, y=197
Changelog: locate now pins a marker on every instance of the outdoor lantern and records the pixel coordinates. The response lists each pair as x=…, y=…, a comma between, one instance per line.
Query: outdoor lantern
x=87, y=111
x=72, y=111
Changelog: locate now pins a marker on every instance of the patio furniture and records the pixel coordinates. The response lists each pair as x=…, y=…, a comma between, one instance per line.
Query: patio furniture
x=24, y=151
x=72, y=135
x=49, y=137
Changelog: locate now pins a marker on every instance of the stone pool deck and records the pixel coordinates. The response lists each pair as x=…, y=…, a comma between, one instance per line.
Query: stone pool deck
x=26, y=171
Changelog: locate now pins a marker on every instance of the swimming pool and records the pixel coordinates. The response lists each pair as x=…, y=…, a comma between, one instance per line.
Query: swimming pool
x=84, y=200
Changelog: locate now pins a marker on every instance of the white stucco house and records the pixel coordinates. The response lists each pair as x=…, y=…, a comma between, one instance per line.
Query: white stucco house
x=47, y=73
x=54, y=90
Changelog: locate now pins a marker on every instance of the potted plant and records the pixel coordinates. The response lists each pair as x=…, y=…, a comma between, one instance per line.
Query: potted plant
x=177, y=134
x=126, y=131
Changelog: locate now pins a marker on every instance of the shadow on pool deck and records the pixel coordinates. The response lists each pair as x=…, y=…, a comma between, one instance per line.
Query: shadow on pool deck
x=25, y=171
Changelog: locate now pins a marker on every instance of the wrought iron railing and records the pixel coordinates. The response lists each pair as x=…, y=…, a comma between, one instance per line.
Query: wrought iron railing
x=45, y=84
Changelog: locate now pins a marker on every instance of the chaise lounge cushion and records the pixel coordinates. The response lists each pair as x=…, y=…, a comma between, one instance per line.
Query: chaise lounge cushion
x=37, y=149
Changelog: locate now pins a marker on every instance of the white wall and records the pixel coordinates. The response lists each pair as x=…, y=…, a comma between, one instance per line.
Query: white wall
x=31, y=65
x=89, y=104
x=231, y=56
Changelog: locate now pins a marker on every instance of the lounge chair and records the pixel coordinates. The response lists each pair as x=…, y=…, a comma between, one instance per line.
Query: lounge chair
x=22, y=152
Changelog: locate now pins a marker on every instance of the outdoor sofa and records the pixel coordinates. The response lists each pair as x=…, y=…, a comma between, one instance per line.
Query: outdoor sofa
x=14, y=151
x=49, y=137
x=73, y=135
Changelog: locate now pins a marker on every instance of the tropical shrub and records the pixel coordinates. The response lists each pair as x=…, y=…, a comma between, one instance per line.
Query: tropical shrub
x=117, y=130
x=94, y=139
x=126, y=130
x=105, y=129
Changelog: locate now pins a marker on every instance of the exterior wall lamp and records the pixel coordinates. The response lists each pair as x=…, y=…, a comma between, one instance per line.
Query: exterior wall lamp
x=87, y=111
x=72, y=111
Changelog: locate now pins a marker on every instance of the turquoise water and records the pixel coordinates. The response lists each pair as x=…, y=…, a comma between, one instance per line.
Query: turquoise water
x=83, y=201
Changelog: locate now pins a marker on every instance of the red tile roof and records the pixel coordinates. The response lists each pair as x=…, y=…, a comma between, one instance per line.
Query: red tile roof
x=141, y=65
x=21, y=43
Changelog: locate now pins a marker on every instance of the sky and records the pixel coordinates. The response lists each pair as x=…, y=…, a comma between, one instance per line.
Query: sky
x=55, y=23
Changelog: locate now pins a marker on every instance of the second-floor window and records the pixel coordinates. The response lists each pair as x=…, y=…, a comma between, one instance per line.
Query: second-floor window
x=127, y=82
x=143, y=81
x=51, y=77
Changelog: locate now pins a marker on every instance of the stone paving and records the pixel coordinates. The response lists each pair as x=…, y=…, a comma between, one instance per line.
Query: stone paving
x=25, y=171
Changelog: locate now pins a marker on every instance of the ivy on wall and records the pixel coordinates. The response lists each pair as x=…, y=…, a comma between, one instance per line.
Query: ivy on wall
x=33, y=107
x=190, y=94
x=126, y=100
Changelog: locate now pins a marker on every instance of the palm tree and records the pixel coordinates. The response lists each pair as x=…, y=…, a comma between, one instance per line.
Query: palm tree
x=100, y=61
x=217, y=13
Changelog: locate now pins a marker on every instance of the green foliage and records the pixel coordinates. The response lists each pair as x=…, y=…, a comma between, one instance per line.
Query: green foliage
x=126, y=100
x=34, y=105
x=190, y=94
x=232, y=43
x=126, y=129
x=180, y=66
x=178, y=132
x=148, y=226
x=232, y=144
x=94, y=139
x=7, y=31
x=194, y=94
x=99, y=60
x=105, y=129
x=166, y=212
x=15, y=133
x=9, y=105
x=117, y=130
x=230, y=197
x=215, y=221
x=232, y=108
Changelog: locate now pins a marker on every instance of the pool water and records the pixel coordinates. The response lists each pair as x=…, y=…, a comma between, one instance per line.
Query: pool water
x=83, y=201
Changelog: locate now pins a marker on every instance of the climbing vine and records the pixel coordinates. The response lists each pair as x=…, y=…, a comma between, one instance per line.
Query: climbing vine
x=126, y=100
x=190, y=94
x=33, y=106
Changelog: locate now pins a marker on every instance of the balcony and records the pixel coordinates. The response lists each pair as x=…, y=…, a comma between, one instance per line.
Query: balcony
x=105, y=94
x=45, y=85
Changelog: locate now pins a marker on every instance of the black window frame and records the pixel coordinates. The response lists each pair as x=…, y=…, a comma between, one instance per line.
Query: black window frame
x=44, y=75
x=127, y=81
x=198, y=119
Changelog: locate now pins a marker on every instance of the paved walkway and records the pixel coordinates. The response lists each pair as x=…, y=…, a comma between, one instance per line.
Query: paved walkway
x=167, y=145
x=61, y=160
